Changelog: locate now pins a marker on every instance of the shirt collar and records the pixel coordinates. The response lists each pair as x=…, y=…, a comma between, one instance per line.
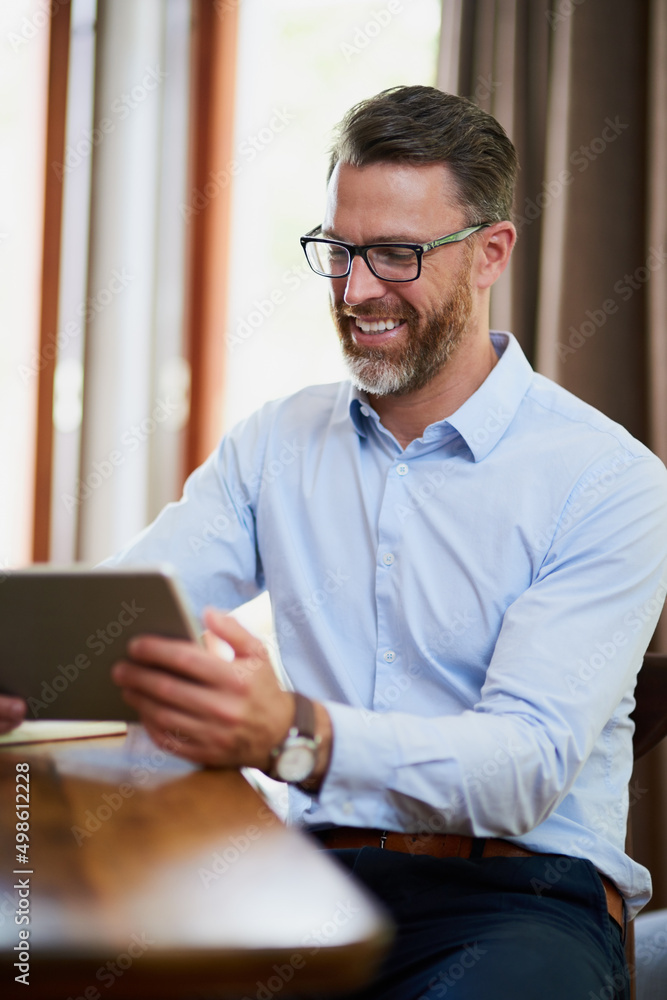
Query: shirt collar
x=485, y=416
x=361, y=410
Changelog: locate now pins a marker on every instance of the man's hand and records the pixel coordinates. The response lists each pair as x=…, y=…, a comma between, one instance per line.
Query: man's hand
x=12, y=713
x=228, y=714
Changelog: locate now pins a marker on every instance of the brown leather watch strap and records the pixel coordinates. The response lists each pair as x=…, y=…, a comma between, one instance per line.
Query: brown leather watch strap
x=304, y=716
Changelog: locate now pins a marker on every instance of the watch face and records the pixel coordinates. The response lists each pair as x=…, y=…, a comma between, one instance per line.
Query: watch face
x=296, y=761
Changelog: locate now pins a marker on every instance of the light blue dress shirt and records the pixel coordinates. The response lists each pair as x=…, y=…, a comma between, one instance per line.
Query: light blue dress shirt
x=472, y=610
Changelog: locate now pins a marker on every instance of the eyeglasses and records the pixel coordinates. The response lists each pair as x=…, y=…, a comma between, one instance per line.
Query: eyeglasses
x=387, y=261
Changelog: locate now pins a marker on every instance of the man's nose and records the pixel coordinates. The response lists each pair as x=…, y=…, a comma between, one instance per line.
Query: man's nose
x=362, y=284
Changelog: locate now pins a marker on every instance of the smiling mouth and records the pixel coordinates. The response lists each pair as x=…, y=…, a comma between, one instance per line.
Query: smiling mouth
x=376, y=325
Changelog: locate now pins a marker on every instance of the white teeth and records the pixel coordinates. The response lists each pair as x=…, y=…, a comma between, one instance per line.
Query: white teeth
x=377, y=327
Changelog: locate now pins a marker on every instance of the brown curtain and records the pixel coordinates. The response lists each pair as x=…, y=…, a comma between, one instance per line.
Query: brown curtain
x=581, y=87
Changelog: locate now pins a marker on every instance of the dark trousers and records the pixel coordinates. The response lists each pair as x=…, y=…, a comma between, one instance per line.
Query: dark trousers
x=532, y=928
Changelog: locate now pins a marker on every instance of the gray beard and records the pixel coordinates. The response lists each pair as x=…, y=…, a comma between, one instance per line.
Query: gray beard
x=431, y=341
x=381, y=376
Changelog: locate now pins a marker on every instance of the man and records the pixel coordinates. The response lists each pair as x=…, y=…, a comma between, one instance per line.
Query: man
x=466, y=564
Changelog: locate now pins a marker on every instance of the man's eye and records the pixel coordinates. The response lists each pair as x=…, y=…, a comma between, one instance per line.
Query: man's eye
x=395, y=257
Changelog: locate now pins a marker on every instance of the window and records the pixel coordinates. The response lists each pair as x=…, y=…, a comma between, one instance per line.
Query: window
x=317, y=59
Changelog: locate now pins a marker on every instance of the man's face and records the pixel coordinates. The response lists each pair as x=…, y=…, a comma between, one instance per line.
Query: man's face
x=388, y=202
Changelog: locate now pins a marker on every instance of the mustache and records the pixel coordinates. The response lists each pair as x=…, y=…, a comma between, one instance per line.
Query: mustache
x=377, y=309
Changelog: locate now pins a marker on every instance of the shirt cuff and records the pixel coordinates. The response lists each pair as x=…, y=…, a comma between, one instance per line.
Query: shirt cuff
x=361, y=769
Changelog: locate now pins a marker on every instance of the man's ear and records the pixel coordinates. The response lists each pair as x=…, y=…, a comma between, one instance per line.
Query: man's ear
x=494, y=249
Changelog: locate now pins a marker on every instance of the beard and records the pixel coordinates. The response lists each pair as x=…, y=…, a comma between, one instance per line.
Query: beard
x=432, y=338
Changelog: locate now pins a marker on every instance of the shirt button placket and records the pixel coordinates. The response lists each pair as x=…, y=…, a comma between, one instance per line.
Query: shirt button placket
x=387, y=560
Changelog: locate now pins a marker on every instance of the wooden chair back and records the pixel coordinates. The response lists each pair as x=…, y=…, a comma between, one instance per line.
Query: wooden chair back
x=650, y=718
x=650, y=714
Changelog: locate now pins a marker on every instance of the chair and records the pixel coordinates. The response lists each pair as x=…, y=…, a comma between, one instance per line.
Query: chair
x=650, y=718
x=650, y=714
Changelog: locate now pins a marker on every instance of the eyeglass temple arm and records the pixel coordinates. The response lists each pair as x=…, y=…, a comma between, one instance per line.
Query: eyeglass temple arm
x=455, y=237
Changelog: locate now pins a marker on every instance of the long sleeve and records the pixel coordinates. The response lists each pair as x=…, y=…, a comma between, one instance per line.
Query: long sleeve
x=560, y=679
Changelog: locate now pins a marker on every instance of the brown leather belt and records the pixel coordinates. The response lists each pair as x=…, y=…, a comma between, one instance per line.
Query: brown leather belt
x=449, y=845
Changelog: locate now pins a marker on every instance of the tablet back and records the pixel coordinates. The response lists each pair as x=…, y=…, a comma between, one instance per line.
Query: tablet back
x=62, y=630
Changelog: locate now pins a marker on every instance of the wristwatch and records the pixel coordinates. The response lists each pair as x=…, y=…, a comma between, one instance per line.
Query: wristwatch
x=294, y=760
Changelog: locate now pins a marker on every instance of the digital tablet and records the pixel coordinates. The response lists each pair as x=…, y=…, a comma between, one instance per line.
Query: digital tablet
x=61, y=630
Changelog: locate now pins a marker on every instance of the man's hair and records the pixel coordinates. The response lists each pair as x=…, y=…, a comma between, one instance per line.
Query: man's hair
x=418, y=125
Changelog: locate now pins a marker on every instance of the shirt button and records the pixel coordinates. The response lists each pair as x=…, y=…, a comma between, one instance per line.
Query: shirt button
x=402, y=469
x=390, y=656
x=366, y=412
x=348, y=808
x=388, y=558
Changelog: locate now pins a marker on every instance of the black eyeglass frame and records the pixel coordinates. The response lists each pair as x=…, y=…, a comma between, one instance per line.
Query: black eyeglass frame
x=362, y=250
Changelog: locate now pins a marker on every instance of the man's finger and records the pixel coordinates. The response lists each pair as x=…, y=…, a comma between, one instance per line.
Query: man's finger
x=167, y=689
x=164, y=720
x=182, y=657
x=243, y=643
x=12, y=713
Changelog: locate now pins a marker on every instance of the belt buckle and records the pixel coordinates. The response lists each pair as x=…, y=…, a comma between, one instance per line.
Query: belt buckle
x=383, y=837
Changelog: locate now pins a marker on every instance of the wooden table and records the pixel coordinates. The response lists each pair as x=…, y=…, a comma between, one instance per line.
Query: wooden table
x=148, y=877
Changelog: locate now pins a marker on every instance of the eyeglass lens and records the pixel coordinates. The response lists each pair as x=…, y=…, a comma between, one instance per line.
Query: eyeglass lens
x=393, y=263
